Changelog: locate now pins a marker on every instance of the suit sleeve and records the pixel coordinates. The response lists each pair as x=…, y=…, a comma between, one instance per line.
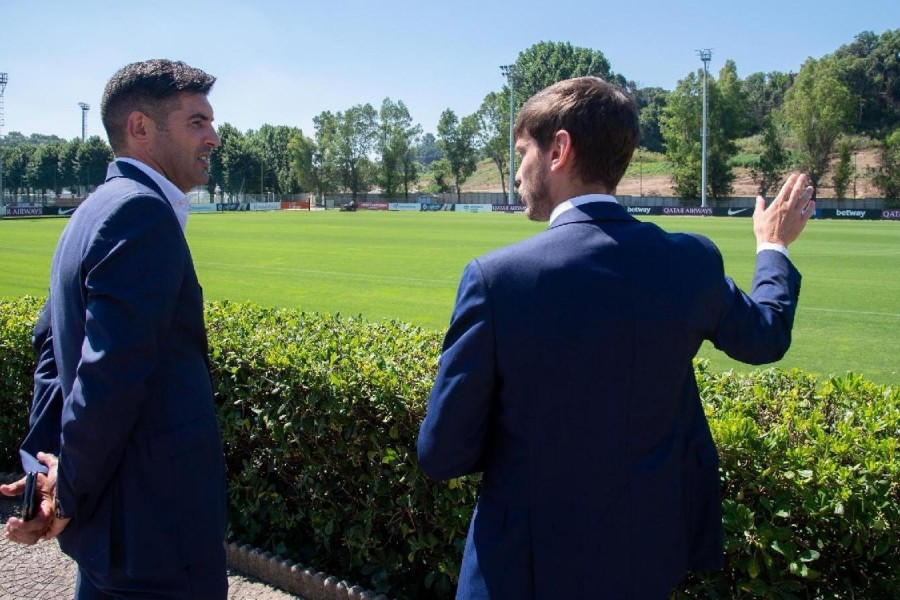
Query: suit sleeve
x=132, y=272
x=453, y=435
x=756, y=329
x=46, y=403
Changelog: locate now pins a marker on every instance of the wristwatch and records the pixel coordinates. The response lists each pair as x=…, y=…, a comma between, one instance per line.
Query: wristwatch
x=57, y=509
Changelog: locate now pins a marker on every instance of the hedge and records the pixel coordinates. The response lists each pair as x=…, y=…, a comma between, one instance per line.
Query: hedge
x=320, y=413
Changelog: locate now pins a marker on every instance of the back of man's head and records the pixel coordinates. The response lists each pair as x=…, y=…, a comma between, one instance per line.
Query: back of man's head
x=601, y=119
x=151, y=87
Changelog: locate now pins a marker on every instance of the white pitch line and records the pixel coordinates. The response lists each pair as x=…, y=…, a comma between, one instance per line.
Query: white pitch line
x=850, y=312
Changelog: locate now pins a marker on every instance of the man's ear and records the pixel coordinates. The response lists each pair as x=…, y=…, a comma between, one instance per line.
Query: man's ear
x=562, y=154
x=139, y=126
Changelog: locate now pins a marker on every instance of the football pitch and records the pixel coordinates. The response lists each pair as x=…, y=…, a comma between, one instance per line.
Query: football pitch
x=406, y=266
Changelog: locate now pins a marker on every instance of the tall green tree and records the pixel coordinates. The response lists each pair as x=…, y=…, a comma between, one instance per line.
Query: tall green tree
x=492, y=139
x=682, y=124
x=818, y=108
x=45, y=168
x=870, y=68
x=397, y=136
x=94, y=156
x=844, y=171
x=734, y=104
x=767, y=171
x=545, y=63
x=886, y=176
x=346, y=139
x=278, y=175
x=765, y=95
x=457, y=139
x=428, y=150
x=302, y=151
x=651, y=102
x=16, y=161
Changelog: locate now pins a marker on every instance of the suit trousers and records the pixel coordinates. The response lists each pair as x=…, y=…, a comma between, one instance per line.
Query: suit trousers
x=180, y=584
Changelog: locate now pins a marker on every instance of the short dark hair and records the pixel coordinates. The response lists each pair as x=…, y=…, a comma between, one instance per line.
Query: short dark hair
x=148, y=86
x=601, y=119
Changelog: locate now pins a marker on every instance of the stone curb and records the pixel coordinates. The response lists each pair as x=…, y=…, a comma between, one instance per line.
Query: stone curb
x=294, y=578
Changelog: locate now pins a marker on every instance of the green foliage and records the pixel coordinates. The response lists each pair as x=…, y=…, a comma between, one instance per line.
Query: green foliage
x=887, y=174
x=319, y=418
x=682, y=129
x=811, y=486
x=456, y=137
x=17, y=319
x=767, y=170
x=545, y=63
x=818, y=107
x=320, y=414
x=844, y=171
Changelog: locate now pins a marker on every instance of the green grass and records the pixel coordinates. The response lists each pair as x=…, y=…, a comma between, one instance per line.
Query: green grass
x=406, y=266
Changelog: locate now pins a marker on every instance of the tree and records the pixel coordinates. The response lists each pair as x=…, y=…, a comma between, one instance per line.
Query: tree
x=651, y=102
x=887, y=175
x=870, y=68
x=765, y=95
x=428, y=150
x=278, y=175
x=94, y=156
x=16, y=161
x=457, y=140
x=844, y=171
x=397, y=137
x=44, y=171
x=818, y=108
x=766, y=173
x=302, y=151
x=492, y=138
x=545, y=63
x=682, y=124
x=345, y=140
x=733, y=102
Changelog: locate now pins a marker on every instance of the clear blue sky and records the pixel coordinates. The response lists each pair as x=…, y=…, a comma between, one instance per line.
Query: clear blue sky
x=283, y=62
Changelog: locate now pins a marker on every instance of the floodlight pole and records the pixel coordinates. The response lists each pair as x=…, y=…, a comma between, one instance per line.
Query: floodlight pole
x=509, y=71
x=705, y=56
x=3, y=79
x=85, y=107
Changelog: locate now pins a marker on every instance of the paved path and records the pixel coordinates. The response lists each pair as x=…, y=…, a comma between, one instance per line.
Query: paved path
x=42, y=572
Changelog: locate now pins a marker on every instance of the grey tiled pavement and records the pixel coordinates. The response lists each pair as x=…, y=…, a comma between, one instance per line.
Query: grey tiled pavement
x=42, y=572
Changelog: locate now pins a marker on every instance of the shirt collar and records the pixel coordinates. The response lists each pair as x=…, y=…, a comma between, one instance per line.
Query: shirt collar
x=578, y=201
x=174, y=196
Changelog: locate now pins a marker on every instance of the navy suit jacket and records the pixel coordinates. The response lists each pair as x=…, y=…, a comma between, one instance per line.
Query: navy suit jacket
x=566, y=378
x=141, y=468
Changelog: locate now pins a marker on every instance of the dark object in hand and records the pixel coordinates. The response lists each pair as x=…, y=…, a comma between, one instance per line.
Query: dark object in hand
x=31, y=500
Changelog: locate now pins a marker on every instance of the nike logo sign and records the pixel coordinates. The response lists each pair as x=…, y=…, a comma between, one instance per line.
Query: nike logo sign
x=736, y=211
x=65, y=211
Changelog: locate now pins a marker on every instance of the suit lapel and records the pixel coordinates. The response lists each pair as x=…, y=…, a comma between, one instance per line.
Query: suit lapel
x=123, y=169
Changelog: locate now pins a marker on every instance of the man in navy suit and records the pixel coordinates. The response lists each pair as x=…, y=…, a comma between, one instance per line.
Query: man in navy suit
x=566, y=376
x=136, y=494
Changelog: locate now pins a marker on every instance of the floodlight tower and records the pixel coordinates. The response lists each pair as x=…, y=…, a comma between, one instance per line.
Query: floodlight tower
x=3, y=79
x=509, y=71
x=705, y=56
x=85, y=107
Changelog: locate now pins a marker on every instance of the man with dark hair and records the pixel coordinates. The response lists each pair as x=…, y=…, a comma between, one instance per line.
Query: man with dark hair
x=137, y=493
x=567, y=379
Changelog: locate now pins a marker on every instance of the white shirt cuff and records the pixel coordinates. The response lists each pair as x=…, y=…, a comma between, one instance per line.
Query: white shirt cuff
x=770, y=246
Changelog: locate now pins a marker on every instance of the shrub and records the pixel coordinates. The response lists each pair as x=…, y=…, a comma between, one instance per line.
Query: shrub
x=320, y=414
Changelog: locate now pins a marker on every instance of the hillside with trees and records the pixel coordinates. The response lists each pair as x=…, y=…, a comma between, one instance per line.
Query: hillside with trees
x=837, y=118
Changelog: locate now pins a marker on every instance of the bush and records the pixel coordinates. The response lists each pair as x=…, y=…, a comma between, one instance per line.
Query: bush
x=320, y=414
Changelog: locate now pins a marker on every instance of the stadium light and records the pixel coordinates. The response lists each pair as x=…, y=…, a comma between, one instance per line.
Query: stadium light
x=3, y=79
x=85, y=107
x=509, y=71
x=705, y=56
